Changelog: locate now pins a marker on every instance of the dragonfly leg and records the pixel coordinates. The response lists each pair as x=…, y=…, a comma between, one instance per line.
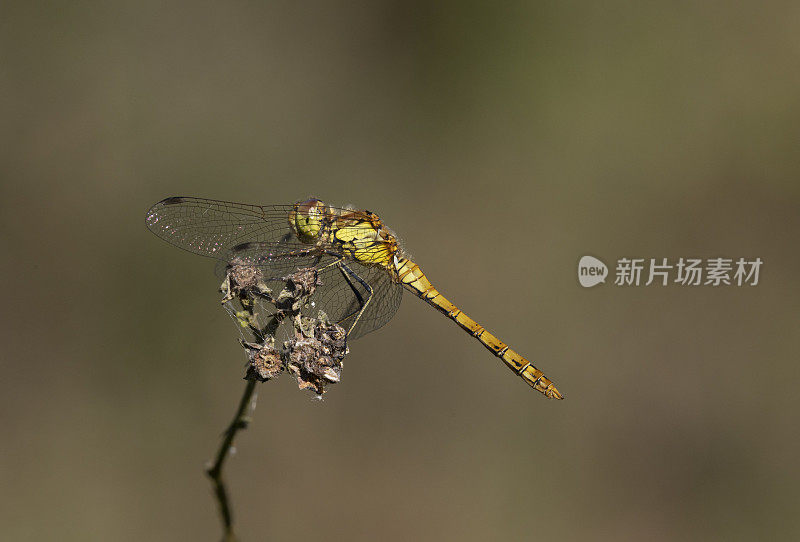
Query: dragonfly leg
x=349, y=275
x=333, y=263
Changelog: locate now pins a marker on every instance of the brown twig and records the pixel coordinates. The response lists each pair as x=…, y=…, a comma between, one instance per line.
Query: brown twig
x=240, y=421
x=314, y=355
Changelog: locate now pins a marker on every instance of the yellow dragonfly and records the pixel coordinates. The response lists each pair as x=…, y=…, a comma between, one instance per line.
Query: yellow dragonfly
x=362, y=266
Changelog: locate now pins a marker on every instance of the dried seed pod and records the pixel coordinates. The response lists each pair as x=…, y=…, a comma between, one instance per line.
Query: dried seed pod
x=242, y=276
x=265, y=361
x=315, y=355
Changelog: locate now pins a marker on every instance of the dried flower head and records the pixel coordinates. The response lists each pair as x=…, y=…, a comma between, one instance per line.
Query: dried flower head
x=265, y=362
x=242, y=276
x=300, y=285
x=315, y=354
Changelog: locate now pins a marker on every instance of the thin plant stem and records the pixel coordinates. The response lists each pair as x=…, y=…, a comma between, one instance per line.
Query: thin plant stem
x=247, y=300
x=240, y=421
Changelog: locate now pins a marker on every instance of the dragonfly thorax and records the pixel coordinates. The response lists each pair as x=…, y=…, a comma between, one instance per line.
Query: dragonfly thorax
x=357, y=235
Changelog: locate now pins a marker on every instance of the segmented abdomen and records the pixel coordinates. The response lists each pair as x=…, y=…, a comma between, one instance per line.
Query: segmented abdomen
x=412, y=277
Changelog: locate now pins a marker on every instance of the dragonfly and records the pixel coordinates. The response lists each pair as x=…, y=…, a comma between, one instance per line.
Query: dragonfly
x=363, y=268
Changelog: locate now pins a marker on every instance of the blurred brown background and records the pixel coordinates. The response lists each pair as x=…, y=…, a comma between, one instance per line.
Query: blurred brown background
x=502, y=143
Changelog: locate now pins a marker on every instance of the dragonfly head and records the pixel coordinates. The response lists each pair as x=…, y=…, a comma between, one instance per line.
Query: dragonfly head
x=307, y=219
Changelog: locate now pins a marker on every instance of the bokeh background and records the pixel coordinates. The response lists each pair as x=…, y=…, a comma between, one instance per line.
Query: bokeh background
x=502, y=142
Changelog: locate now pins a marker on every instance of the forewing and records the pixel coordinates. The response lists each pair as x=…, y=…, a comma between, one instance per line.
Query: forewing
x=213, y=228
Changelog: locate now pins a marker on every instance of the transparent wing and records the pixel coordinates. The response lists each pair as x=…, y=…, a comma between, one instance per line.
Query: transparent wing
x=212, y=228
x=278, y=260
x=346, y=286
x=344, y=292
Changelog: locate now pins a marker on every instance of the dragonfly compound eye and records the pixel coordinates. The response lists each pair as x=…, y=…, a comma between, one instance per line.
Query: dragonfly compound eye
x=306, y=219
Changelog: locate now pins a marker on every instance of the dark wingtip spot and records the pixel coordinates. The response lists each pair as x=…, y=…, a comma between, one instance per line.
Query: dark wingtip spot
x=173, y=200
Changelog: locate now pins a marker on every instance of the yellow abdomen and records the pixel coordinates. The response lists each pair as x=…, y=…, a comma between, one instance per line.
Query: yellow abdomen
x=412, y=277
